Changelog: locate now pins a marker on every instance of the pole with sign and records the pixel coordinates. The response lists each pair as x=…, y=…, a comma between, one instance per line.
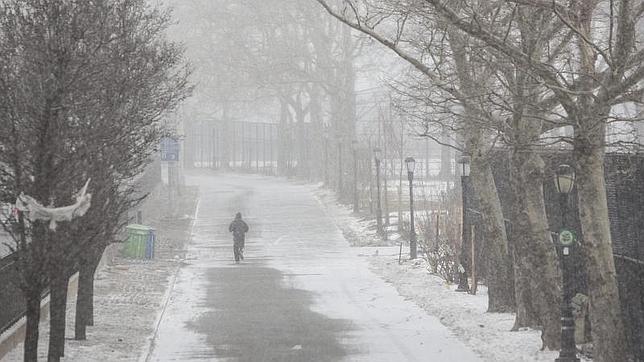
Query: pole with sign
x=170, y=155
x=169, y=149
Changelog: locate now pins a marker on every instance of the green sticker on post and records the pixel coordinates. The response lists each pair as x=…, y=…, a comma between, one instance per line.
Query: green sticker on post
x=566, y=237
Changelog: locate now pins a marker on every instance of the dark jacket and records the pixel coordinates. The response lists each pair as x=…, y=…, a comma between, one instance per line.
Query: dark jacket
x=239, y=229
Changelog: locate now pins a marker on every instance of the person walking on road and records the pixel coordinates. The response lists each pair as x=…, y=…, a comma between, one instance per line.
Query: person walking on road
x=239, y=228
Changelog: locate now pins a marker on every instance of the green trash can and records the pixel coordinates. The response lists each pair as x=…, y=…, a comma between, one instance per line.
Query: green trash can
x=140, y=242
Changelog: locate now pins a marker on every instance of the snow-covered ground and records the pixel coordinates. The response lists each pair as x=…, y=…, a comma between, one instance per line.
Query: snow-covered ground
x=488, y=334
x=388, y=311
x=128, y=294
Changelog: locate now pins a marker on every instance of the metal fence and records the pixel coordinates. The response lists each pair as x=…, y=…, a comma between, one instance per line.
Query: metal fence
x=11, y=299
x=625, y=192
x=246, y=145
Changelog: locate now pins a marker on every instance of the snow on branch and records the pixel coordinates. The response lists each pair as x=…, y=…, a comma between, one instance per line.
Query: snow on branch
x=37, y=211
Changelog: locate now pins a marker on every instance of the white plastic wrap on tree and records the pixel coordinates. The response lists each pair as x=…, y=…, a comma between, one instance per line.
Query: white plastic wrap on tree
x=36, y=211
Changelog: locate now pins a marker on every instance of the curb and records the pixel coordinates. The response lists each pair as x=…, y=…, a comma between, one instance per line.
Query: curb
x=149, y=345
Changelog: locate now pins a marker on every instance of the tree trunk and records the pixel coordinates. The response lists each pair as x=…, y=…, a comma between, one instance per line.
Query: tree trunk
x=34, y=280
x=497, y=260
x=90, y=284
x=495, y=243
x=226, y=137
x=57, y=315
x=283, y=151
x=189, y=144
x=537, y=277
x=590, y=136
x=84, y=300
x=446, y=157
x=605, y=311
x=32, y=329
x=317, y=138
x=90, y=297
x=526, y=314
x=85, y=297
x=302, y=144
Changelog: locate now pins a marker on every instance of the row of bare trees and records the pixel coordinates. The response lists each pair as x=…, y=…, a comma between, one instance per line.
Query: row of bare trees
x=267, y=61
x=85, y=86
x=524, y=74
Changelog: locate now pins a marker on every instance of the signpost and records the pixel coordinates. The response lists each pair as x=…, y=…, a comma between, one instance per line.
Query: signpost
x=170, y=155
x=566, y=239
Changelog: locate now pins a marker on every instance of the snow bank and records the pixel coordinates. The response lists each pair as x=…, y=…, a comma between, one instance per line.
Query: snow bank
x=488, y=334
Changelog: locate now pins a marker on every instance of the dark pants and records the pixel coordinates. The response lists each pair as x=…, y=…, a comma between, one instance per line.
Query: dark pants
x=238, y=249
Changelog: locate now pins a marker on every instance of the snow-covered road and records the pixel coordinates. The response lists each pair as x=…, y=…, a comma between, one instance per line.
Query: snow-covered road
x=302, y=294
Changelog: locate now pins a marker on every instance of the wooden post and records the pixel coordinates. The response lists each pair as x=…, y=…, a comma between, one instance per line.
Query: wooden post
x=474, y=277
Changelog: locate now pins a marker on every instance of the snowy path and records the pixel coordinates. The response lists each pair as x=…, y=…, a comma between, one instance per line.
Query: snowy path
x=302, y=294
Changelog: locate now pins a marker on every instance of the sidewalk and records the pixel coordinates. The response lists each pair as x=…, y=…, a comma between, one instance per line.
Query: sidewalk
x=132, y=290
x=301, y=294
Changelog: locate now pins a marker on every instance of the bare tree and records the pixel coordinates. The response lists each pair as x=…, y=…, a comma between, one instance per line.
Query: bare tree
x=76, y=90
x=284, y=58
x=366, y=17
x=606, y=70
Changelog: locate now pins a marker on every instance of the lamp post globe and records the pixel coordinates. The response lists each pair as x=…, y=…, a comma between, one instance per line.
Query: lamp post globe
x=565, y=179
x=410, y=162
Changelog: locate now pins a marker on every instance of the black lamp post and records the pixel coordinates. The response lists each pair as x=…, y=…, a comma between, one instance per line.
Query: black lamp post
x=565, y=181
x=411, y=165
x=463, y=285
x=376, y=154
x=354, y=148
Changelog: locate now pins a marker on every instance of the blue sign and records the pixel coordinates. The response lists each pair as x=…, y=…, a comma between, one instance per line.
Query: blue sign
x=169, y=149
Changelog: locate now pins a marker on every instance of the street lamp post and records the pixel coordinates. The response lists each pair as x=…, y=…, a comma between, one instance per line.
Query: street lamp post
x=565, y=181
x=340, y=183
x=376, y=154
x=411, y=165
x=354, y=147
x=463, y=285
